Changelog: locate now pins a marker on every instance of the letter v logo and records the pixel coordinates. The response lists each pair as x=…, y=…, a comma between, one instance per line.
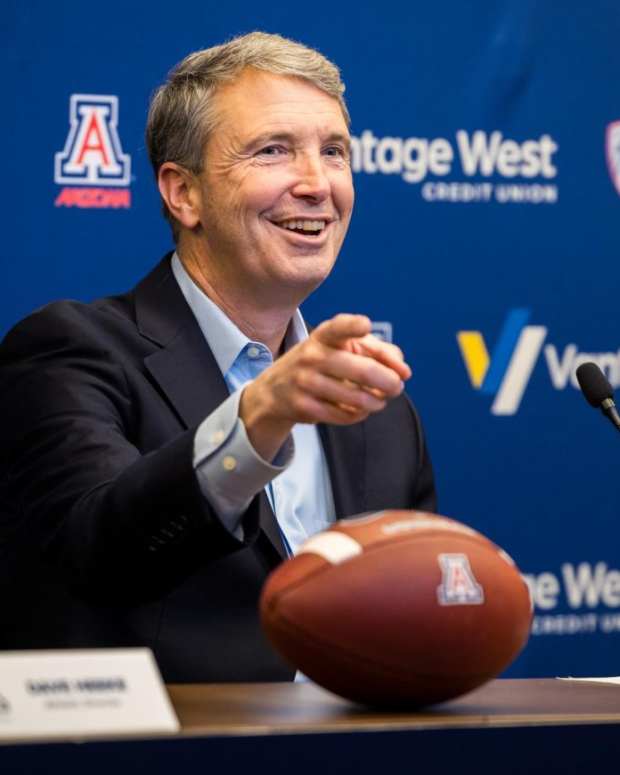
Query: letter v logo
x=507, y=373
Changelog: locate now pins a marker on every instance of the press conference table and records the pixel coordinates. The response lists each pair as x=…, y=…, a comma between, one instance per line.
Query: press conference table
x=507, y=726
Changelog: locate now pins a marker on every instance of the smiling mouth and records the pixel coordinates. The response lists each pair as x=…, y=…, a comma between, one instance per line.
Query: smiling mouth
x=305, y=226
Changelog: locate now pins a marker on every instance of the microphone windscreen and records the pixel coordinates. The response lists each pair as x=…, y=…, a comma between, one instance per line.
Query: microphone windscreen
x=594, y=384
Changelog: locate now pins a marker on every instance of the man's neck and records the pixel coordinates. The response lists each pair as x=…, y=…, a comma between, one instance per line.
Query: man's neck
x=260, y=322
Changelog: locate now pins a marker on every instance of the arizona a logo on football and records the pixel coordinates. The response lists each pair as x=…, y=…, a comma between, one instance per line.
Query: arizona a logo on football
x=612, y=137
x=458, y=584
x=93, y=156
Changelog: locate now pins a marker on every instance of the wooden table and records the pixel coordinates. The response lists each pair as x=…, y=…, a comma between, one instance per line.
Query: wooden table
x=304, y=708
x=504, y=728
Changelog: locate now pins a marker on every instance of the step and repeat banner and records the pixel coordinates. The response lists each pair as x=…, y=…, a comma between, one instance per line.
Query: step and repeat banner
x=485, y=240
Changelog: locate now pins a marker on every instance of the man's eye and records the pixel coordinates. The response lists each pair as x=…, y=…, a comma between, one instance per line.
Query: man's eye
x=337, y=151
x=272, y=150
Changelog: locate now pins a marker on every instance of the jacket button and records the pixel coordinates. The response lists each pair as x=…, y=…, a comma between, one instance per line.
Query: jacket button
x=229, y=463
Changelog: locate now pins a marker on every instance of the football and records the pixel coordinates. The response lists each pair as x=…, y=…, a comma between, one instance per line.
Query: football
x=398, y=608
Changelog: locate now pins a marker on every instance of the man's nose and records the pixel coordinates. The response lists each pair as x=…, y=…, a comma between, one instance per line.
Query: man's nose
x=312, y=180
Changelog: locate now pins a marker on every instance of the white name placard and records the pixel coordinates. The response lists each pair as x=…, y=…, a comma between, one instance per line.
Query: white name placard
x=81, y=694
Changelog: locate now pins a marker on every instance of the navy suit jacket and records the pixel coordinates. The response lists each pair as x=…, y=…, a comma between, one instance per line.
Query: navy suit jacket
x=105, y=536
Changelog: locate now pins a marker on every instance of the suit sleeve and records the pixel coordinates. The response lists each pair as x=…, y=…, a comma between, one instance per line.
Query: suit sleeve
x=229, y=470
x=76, y=490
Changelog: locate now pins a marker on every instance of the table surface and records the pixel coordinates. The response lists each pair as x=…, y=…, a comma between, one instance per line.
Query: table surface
x=304, y=708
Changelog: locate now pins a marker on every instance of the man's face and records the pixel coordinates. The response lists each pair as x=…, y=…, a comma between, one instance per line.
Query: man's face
x=276, y=191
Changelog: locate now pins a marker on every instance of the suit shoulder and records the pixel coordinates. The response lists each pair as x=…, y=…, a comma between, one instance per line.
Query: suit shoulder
x=65, y=322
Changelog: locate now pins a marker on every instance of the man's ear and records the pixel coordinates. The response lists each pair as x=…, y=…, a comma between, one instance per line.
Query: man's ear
x=180, y=191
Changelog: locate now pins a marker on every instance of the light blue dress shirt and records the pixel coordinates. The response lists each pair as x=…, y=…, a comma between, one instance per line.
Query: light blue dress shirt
x=229, y=470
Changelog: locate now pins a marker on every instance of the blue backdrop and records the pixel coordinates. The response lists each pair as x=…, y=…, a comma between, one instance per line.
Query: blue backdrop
x=487, y=170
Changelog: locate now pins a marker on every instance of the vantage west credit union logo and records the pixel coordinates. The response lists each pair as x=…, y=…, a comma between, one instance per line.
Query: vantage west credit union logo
x=507, y=373
x=472, y=166
x=92, y=167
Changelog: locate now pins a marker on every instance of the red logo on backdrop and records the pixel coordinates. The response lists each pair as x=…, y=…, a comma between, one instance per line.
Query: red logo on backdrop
x=92, y=167
x=612, y=149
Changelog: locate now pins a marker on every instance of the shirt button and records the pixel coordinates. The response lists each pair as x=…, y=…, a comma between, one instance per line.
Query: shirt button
x=229, y=463
x=253, y=352
x=216, y=437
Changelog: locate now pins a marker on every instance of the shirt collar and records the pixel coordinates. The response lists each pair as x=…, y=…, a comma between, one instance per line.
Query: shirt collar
x=223, y=337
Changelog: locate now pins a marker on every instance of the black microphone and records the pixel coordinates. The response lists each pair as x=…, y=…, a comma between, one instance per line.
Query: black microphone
x=597, y=391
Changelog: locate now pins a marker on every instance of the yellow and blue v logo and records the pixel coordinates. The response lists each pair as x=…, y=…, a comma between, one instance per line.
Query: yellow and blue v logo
x=507, y=373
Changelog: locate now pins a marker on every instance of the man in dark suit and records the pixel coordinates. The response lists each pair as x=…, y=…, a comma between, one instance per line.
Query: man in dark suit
x=165, y=449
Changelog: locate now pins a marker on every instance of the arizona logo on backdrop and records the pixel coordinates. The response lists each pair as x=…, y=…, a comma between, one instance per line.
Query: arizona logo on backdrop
x=507, y=373
x=92, y=166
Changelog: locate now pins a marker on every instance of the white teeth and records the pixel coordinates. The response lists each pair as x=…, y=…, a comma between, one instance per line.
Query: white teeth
x=303, y=225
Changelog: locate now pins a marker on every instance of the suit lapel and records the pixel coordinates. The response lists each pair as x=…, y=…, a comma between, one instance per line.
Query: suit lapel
x=186, y=371
x=345, y=450
x=184, y=367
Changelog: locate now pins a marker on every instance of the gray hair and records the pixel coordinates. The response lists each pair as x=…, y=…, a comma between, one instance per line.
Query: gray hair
x=182, y=116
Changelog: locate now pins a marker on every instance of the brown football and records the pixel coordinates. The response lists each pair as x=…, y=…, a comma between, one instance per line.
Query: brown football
x=398, y=608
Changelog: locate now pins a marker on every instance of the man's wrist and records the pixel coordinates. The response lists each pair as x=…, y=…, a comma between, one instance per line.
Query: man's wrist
x=265, y=432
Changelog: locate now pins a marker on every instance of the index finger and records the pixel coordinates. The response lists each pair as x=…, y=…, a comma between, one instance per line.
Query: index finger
x=344, y=326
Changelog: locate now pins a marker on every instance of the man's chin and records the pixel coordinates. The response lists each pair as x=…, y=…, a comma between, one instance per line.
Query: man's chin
x=310, y=272
x=295, y=286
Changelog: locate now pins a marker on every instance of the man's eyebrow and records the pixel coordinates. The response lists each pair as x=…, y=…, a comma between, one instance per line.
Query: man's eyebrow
x=271, y=137
x=289, y=137
x=339, y=137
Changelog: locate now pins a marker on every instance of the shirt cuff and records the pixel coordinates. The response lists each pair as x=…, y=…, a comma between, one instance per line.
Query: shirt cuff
x=229, y=470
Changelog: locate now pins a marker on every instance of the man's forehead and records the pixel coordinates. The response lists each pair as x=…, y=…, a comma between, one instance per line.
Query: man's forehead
x=266, y=100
